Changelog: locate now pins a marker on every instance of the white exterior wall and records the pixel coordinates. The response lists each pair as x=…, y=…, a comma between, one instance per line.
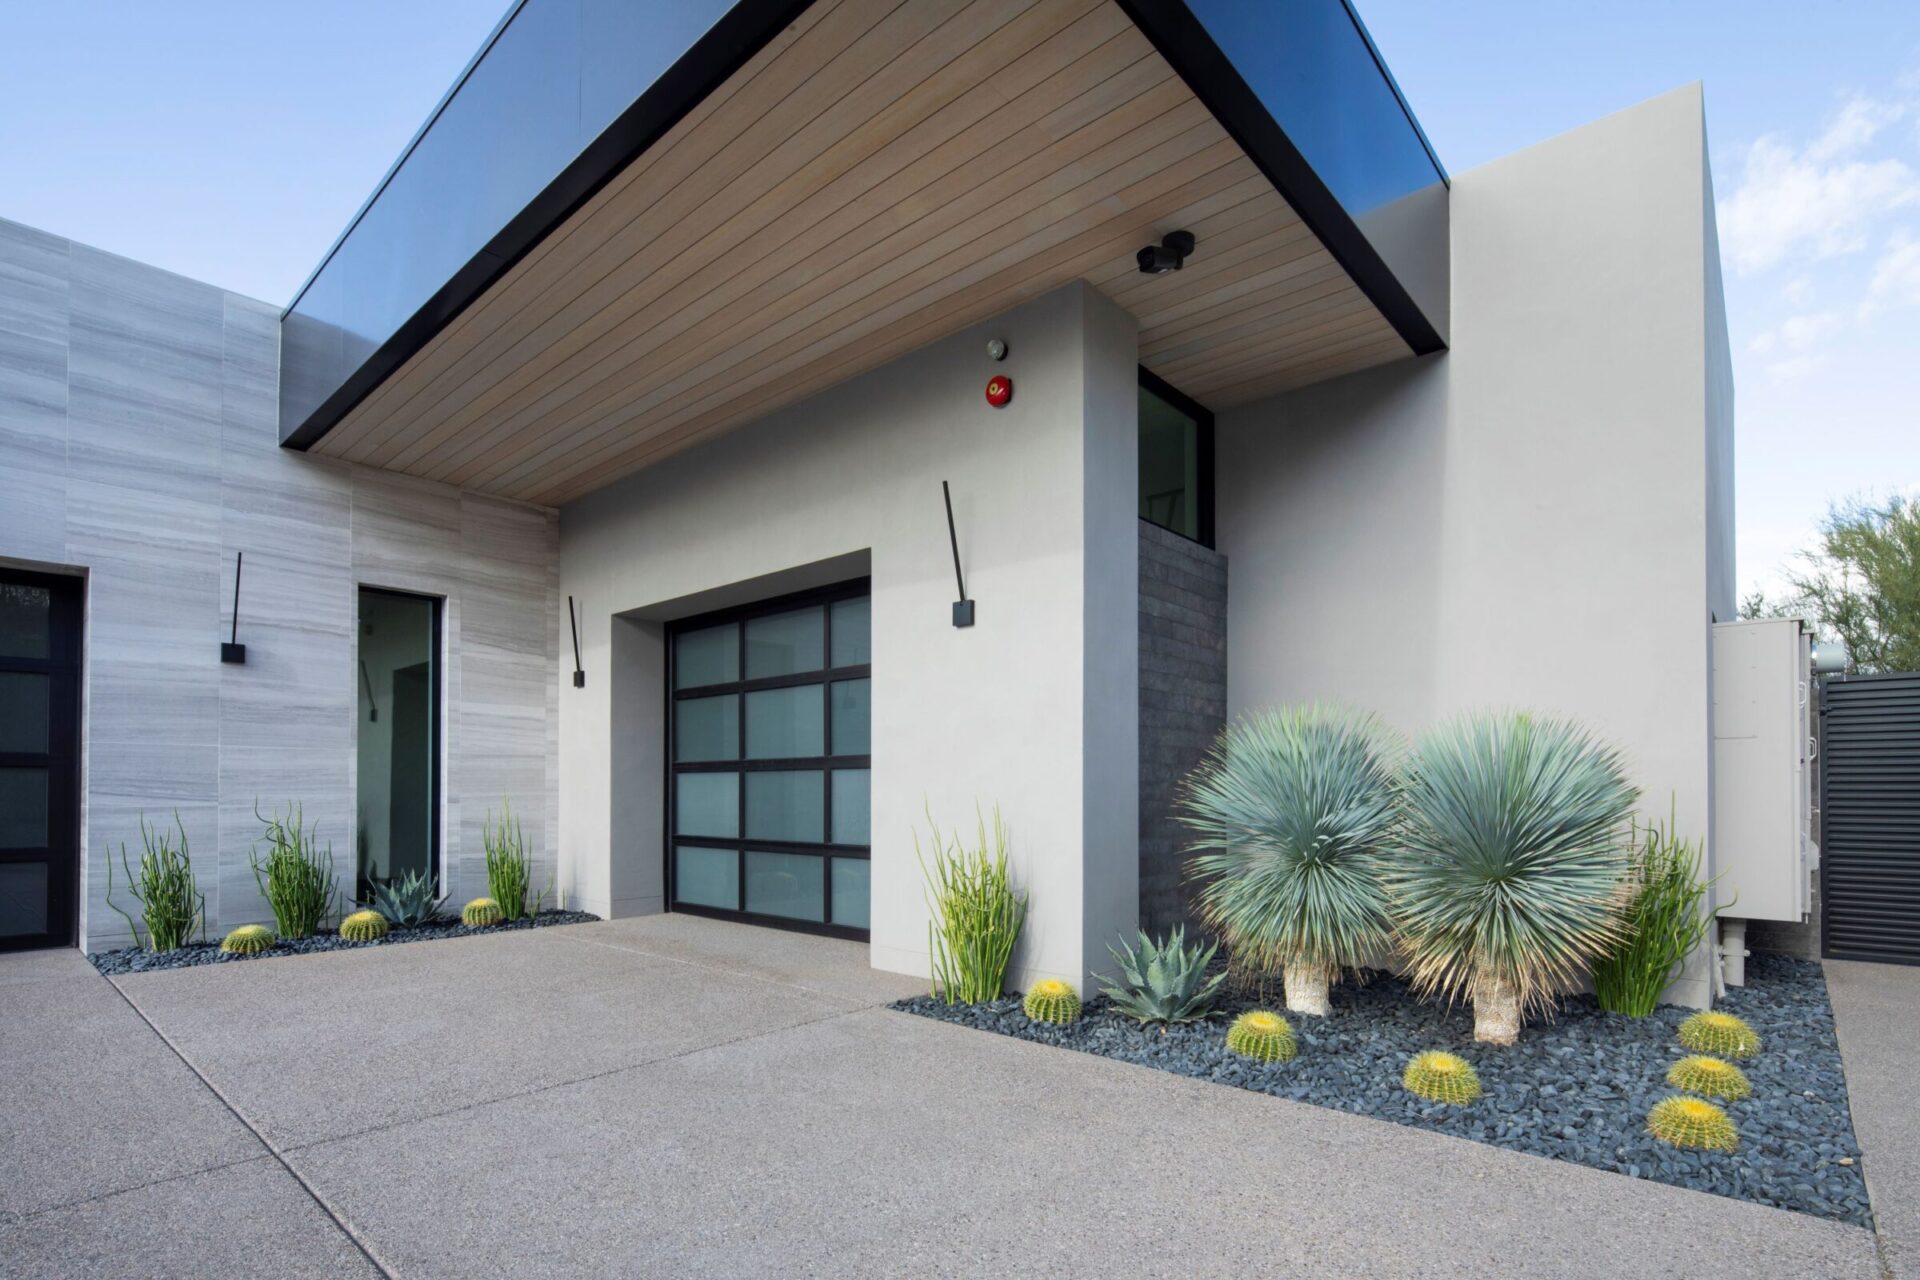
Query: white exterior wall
x=139, y=445
x=1540, y=517
x=1034, y=708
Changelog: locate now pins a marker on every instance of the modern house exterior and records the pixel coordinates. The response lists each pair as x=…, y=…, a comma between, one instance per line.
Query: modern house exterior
x=736, y=435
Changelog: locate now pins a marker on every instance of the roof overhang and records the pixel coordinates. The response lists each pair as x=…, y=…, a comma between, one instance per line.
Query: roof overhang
x=624, y=232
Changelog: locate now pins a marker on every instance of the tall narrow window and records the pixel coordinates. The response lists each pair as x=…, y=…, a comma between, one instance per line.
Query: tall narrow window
x=1176, y=461
x=768, y=790
x=398, y=763
x=39, y=757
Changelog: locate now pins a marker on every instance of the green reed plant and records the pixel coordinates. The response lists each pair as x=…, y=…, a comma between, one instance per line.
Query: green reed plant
x=976, y=912
x=171, y=904
x=1663, y=921
x=296, y=876
x=1292, y=809
x=509, y=865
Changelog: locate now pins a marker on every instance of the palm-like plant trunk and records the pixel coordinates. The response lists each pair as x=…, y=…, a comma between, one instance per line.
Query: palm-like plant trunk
x=1496, y=1009
x=1306, y=987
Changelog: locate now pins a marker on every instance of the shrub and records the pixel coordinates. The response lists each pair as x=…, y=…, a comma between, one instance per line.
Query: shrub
x=1292, y=807
x=1663, y=922
x=247, y=940
x=1052, y=1000
x=1719, y=1033
x=1262, y=1036
x=1442, y=1077
x=171, y=904
x=1711, y=1076
x=976, y=914
x=509, y=867
x=409, y=901
x=295, y=877
x=481, y=913
x=1692, y=1122
x=1164, y=983
x=1507, y=879
x=364, y=926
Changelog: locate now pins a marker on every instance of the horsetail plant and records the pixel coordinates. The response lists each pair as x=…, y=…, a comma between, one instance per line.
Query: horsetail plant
x=1664, y=921
x=171, y=904
x=296, y=877
x=509, y=867
x=976, y=912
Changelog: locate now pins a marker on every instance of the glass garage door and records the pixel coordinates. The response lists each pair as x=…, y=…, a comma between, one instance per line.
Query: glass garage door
x=767, y=794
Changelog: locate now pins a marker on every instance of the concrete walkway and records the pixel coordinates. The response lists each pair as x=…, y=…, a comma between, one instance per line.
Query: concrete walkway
x=679, y=1097
x=1876, y=1013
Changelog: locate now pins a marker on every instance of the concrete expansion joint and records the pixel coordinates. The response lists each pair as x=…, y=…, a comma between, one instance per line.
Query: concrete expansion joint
x=11, y=1219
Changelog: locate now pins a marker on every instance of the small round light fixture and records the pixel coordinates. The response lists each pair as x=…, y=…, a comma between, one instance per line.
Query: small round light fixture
x=996, y=349
x=1169, y=255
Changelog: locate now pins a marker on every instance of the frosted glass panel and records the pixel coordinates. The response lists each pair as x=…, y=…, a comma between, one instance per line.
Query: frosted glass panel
x=707, y=728
x=23, y=899
x=783, y=723
x=708, y=656
x=851, y=715
x=785, y=884
x=852, y=632
x=708, y=804
x=706, y=877
x=784, y=805
x=852, y=804
x=785, y=643
x=851, y=883
x=26, y=615
x=23, y=808
x=23, y=711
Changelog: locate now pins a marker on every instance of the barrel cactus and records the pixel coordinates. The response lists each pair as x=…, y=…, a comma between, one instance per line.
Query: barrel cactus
x=1051, y=1000
x=247, y=940
x=1692, y=1122
x=1263, y=1036
x=1442, y=1077
x=1714, y=1077
x=364, y=926
x=481, y=912
x=1720, y=1034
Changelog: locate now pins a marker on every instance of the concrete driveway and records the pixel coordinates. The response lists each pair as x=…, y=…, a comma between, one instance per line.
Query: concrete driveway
x=678, y=1097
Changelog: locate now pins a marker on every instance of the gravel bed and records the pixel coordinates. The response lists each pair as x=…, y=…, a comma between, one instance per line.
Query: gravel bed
x=1575, y=1089
x=136, y=960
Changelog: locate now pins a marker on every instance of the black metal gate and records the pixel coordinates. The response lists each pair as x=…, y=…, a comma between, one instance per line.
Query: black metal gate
x=1870, y=818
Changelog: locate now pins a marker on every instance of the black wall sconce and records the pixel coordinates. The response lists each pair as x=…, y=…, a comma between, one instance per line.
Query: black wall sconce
x=1170, y=254
x=963, y=607
x=232, y=650
x=579, y=674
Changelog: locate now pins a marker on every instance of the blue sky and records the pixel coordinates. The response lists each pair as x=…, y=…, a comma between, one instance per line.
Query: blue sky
x=232, y=141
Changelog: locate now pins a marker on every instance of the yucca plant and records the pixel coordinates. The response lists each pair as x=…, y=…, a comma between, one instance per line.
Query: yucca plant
x=296, y=877
x=171, y=904
x=1663, y=921
x=509, y=866
x=409, y=901
x=1291, y=809
x=976, y=913
x=1164, y=983
x=1507, y=876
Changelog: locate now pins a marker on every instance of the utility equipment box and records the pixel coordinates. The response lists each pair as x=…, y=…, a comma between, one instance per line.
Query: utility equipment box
x=1763, y=753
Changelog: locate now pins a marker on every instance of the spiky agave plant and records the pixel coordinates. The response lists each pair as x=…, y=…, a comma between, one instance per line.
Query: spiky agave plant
x=1507, y=875
x=1291, y=809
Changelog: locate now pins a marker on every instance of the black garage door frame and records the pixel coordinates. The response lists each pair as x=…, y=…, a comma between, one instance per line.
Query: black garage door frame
x=1870, y=818
x=56, y=755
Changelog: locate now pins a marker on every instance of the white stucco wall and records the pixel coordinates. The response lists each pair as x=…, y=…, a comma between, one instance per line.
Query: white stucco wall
x=1539, y=517
x=1032, y=709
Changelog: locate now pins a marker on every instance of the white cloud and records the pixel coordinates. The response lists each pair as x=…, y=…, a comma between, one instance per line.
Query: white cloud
x=1819, y=200
x=1791, y=347
x=1896, y=276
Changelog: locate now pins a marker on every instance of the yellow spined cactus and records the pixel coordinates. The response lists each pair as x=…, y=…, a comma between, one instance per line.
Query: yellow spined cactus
x=1263, y=1036
x=481, y=912
x=1720, y=1034
x=1442, y=1077
x=364, y=926
x=247, y=940
x=1692, y=1122
x=1714, y=1077
x=1051, y=1000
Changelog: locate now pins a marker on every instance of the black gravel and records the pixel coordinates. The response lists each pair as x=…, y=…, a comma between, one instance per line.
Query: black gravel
x=1575, y=1089
x=136, y=960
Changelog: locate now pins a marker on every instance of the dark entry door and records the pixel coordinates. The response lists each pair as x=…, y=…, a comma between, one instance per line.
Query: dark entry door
x=39, y=758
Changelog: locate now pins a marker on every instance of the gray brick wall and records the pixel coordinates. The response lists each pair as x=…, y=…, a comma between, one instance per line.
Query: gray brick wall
x=1183, y=701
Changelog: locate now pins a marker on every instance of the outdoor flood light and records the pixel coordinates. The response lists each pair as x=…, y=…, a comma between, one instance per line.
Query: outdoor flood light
x=1169, y=255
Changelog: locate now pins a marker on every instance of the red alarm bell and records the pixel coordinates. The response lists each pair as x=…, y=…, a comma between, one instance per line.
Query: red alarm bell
x=999, y=390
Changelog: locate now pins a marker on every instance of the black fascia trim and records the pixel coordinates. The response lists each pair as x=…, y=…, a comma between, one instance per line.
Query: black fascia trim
x=746, y=29
x=1185, y=44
